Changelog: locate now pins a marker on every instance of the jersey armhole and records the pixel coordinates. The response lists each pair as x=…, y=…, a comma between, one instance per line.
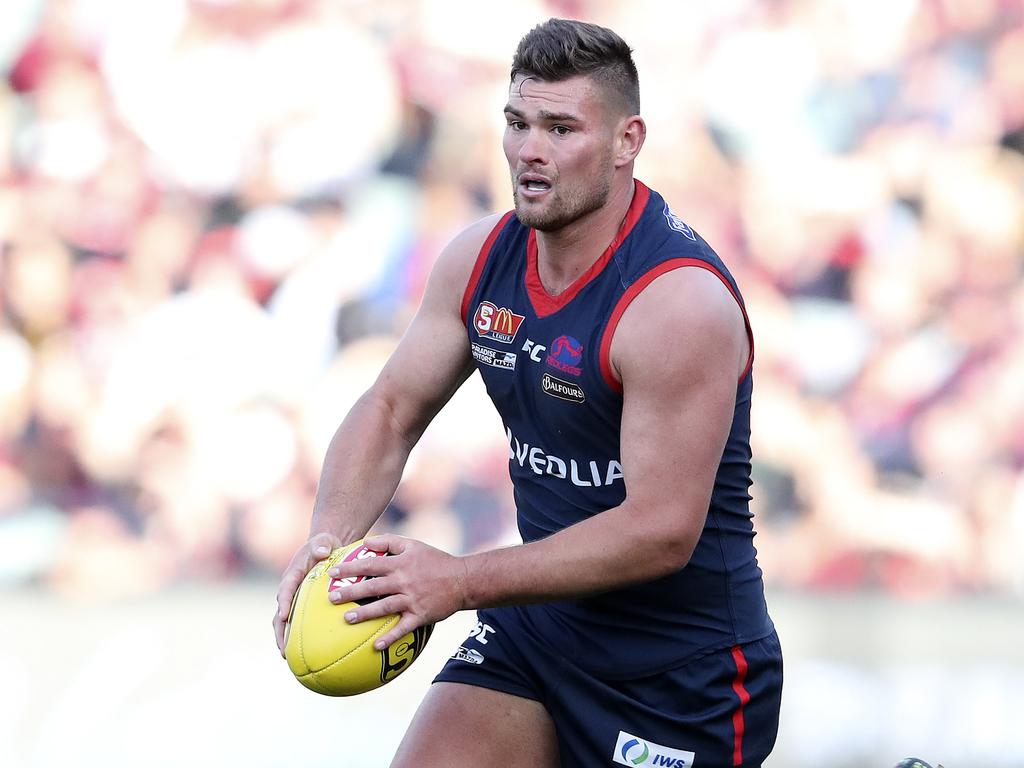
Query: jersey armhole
x=481, y=261
x=634, y=290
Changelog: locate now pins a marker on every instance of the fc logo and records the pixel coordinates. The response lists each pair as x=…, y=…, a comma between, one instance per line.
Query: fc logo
x=498, y=323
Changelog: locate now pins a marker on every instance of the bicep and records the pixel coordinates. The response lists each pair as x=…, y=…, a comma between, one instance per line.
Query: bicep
x=677, y=350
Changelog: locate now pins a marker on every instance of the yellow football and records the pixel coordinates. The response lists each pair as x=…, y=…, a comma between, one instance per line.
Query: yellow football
x=330, y=656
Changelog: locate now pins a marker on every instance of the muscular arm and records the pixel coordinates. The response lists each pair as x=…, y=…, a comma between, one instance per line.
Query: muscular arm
x=676, y=417
x=366, y=456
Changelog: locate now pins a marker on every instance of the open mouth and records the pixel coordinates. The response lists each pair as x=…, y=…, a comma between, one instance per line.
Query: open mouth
x=534, y=186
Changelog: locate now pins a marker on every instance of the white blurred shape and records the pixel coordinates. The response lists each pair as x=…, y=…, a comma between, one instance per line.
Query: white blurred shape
x=248, y=451
x=755, y=84
x=320, y=100
x=70, y=149
x=272, y=239
x=830, y=343
x=875, y=30
x=16, y=24
x=28, y=542
x=375, y=226
x=487, y=32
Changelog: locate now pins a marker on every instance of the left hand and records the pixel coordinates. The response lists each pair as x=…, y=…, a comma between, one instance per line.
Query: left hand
x=423, y=584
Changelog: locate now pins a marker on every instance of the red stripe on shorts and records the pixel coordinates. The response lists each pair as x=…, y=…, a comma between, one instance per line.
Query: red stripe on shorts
x=744, y=697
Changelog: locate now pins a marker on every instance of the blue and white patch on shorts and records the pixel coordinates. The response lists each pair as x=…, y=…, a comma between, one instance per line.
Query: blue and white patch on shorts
x=633, y=751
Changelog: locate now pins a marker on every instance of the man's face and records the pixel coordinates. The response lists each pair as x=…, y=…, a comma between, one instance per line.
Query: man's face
x=559, y=140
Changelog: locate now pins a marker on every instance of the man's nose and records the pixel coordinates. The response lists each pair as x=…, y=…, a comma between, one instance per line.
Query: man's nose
x=534, y=149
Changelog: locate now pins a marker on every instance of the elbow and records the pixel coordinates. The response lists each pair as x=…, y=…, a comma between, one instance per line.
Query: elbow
x=390, y=417
x=678, y=551
x=676, y=539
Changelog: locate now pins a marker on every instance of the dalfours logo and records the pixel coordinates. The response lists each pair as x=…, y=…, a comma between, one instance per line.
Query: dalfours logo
x=565, y=390
x=565, y=354
x=498, y=323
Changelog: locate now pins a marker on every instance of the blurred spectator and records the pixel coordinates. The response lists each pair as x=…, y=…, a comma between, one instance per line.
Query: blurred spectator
x=217, y=217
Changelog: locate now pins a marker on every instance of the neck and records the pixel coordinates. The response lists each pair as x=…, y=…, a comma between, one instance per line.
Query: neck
x=567, y=253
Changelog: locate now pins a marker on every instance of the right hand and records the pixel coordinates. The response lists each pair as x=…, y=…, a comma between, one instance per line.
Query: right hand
x=318, y=547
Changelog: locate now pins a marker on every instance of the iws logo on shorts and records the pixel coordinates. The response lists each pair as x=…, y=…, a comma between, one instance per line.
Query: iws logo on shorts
x=633, y=751
x=564, y=390
x=565, y=354
x=493, y=357
x=498, y=323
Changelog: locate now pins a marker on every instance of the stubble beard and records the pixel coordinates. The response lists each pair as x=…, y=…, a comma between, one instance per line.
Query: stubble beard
x=562, y=210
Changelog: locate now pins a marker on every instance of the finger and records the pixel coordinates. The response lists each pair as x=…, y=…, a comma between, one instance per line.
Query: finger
x=286, y=592
x=405, y=625
x=378, y=608
x=364, y=590
x=369, y=566
x=391, y=543
x=279, y=633
x=322, y=544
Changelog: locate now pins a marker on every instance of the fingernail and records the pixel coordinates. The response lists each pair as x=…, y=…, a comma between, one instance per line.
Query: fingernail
x=350, y=616
x=322, y=550
x=379, y=645
x=332, y=571
x=336, y=595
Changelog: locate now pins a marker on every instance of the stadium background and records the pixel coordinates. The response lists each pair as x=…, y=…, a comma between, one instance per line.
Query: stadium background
x=217, y=217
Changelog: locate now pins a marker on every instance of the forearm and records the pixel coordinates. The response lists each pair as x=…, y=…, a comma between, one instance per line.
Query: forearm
x=613, y=549
x=361, y=470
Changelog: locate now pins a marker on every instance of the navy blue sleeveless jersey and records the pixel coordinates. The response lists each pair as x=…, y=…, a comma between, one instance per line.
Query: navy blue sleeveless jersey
x=545, y=363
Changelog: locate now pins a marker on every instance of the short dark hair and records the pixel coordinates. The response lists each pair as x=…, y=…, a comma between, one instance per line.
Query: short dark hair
x=561, y=48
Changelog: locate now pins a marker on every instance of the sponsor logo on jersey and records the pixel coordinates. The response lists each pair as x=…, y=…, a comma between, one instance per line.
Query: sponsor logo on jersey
x=633, y=751
x=498, y=323
x=494, y=357
x=480, y=632
x=585, y=473
x=534, y=350
x=678, y=224
x=564, y=390
x=471, y=655
x=565, y=354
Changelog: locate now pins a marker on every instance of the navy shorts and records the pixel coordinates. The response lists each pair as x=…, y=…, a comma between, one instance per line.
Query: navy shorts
x=720, y=710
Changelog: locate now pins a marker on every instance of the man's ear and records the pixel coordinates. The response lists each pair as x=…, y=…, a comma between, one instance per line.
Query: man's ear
x=629, y=139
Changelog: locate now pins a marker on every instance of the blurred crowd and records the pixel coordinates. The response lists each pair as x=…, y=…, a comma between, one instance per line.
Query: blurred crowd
x=217, y=216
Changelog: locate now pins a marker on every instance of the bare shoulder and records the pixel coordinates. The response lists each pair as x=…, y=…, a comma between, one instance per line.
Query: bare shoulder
x=687, y=318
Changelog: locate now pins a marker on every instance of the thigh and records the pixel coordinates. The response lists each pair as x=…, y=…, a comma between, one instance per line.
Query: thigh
x=466, y=726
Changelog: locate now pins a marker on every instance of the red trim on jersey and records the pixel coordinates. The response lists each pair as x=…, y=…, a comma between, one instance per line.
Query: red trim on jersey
x=744, y=696
x=481, y=260
x=544, y=303
x=634, y=290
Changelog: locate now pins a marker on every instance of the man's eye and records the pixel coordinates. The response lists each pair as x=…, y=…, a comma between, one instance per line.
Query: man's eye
x=561, y=130
x=517, y=125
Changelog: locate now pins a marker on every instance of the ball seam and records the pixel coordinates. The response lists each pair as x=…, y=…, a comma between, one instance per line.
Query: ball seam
x=384, y=628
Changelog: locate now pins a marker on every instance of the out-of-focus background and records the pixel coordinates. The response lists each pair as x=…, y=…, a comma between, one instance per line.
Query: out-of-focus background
x=217, y=217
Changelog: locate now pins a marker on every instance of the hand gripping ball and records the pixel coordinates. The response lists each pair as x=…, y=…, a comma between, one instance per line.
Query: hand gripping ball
x=330, y=656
